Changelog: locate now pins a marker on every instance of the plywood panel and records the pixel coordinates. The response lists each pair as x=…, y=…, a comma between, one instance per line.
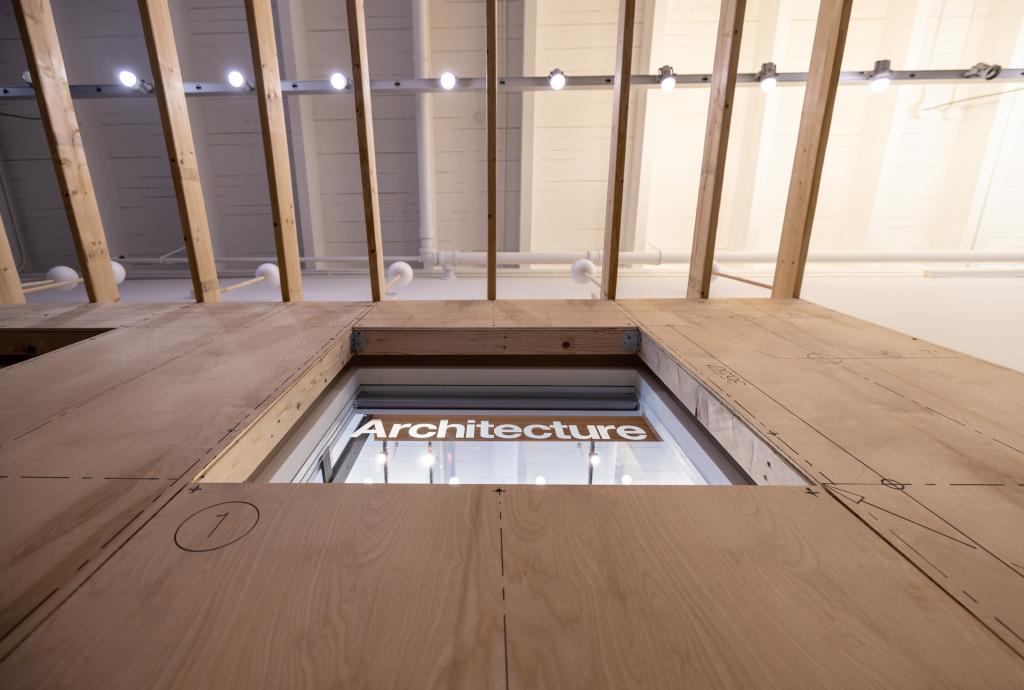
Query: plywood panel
x=724, y=587
x=966, y=538
x=52, y=528
x=303, y=586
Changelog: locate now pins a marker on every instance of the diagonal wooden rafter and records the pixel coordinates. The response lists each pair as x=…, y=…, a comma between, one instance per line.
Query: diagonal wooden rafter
x=716, y=142
x=812, y=138
x=367, y=150
x=492, y=149
x=10, y=284
x=617, y=165
x=267, y=74
x=181, y=150
x=50, y=83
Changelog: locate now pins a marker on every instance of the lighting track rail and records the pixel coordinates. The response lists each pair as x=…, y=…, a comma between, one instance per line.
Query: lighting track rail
x=511, y=84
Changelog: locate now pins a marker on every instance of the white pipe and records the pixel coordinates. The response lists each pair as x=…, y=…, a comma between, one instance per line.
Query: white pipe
x=649, y=258
x=656, y=258
x=424, y=125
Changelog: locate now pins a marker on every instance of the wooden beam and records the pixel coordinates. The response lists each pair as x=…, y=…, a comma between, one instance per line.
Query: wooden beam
x=10, y=282
x=716, y=143
x=267, y=74
x=367, y=150
x=50, y=83
x=181, y=150
x=617, y=165
x=815, y=119
x=492, y=149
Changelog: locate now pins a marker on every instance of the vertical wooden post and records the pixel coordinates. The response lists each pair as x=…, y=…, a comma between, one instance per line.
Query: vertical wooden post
x=815, y=119
x=10, y=282
x=50, y=83
x=275, y=145
x=492, y=149
x=716, y=142
x=617, y=166
x=181, y=150
x=367, y=151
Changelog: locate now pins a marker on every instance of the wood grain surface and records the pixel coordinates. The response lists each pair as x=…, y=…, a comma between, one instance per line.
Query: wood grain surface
x=334, y=586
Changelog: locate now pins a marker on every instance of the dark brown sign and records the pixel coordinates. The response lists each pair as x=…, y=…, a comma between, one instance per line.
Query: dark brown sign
x=630, y=429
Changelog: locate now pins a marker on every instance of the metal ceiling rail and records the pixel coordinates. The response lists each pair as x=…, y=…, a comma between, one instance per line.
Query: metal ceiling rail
x=514, y=84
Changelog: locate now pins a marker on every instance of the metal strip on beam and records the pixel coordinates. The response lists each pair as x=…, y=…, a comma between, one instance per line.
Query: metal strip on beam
x=181, y=150
x=11, y=291
x=367, y=150
x=617, y=165
x=46, y=64
x=308, y=87
x=812, y=138
x=260, y=17
x=492, y=149
x=716, y=142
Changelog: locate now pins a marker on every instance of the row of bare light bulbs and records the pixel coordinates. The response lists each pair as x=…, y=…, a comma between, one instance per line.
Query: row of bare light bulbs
x=767, y=77
x=428, y=459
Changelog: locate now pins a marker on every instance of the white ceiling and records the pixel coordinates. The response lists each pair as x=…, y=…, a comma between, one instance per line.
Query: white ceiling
x=894, y=178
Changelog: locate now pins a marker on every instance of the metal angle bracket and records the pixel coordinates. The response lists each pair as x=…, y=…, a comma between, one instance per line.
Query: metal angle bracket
x=631, y=341
x=358, y=341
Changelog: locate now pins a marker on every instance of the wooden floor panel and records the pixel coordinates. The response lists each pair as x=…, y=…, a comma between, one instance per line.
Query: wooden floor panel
x=724, y=587
x=890, y=425
x=54, y=527
x=302, y=586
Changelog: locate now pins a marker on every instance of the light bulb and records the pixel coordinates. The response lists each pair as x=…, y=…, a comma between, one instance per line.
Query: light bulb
x=127, y=78
x=447, y=81
x=368, y=480
x=236, y=79
x=557, y=79
x=540, y=480
x=427, y=459
x=382, y=458
x=627, y=479
x=595, y=459
x=339, y=81
x=768, y=84
x=880, y=84
x=668, y=78
x=454, y=481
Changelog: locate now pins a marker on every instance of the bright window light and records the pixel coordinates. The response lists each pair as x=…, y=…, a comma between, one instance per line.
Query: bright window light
x=236, y=79
x=339, y=81
x=447, y=81
x=454, y=481
x=127, y=78
x=540, y=480
x=627, y=479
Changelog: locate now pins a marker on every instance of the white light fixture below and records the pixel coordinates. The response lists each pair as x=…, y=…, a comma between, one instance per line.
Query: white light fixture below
x=667, y=77
x=557, y=79
x=236, y=79
x=540, y=480
x=881, y=76
x=339, y=81
x=627, y=479
x=128, y=78
x=767, y=77
x=454, y=481
x=427, y=459
x=447, y=81
x=368, y=480
x=382, y=458
x=595, y=459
